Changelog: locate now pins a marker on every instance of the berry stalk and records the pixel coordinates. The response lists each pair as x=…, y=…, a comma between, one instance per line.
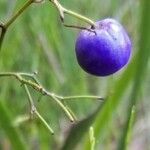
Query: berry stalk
x=62, y=10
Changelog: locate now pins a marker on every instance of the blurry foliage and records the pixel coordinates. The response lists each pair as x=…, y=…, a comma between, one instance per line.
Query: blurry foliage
x=37, y=41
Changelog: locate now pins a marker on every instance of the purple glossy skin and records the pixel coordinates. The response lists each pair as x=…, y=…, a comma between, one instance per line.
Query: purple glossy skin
x=104, y=51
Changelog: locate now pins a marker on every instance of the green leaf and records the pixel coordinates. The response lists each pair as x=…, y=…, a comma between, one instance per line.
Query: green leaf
x=141, y=68
x=11, y=132
x=144, y=50
x=123, y=143
x=78, y=131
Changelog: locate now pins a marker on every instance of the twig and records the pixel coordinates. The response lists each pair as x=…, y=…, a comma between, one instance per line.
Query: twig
x=62, y=10
x=38, y=87
x=35, y=84
x=79, y=27
x=44, y=122
x=64, y=108
x=4, y=26
x=42, y=90
x=18, y=13
x=83, y=97
x=29, y=98
x=34, y=110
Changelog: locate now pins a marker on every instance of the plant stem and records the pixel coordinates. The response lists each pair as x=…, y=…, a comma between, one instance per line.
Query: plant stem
x=44, y=122
x=83, y=97
x=4, y=26
x=18, y=13
x=34, y=110
x=38, y=87
x=79, y=27
x=129, y=127
x=71, y=112
x=85, y=19
x=63, y=10
x=92, y=138
x=64, y=108
x=29, y=97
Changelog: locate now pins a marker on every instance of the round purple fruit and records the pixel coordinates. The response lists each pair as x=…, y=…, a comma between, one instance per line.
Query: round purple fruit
x=103, y=50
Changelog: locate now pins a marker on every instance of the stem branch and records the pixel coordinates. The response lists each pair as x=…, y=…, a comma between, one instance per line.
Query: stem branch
x=83, y=97
x=4, y=26
x=85, y=19
x=38, y=87
x=62, y=10
x=34, y=110
x=18, y=13
x=43, y=121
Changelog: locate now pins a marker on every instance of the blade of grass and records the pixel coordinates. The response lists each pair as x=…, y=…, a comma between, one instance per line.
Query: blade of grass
x=10, y=130
x=144, y=50
x=141, y=65
x=78, y=131
x=105, y=115
x=123, y=143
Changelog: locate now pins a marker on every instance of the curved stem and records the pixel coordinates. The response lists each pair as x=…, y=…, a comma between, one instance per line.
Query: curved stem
x=18, y=13
x=63, y=10
x=38, y=87
x=4, y=26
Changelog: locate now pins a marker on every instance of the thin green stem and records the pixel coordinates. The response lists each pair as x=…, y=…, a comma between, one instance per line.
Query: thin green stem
x=18, y=13
x=71, y=112
x=83, y=18
x=44, y=122
x=4, y=26
x=129, y=126
x=79, y=27
x=64, y=108
x=38, y=87
x=63, y=11
x=29, y=97
x=30, y=75
x=34, y=110
x=92, y=138
x=22, y=80
x=83, y=97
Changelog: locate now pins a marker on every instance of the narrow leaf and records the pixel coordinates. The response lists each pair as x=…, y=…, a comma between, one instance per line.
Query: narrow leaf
x=78, y=130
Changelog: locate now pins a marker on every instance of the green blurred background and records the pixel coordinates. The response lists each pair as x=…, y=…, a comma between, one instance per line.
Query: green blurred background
x=37, y=41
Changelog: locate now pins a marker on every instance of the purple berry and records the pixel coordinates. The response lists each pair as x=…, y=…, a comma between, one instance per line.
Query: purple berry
x=104, y=50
